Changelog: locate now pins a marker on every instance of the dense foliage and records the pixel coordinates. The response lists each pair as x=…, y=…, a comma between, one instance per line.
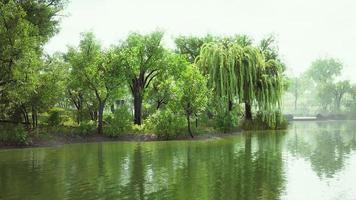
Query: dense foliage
x=136, y=81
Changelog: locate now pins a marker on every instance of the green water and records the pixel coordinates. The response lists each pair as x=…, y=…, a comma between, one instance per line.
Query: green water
x=309, y=161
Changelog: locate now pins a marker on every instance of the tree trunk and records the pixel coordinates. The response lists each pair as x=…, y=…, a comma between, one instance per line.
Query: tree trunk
x=33, y=115
x=100, y=117
x=137, y=106
x=26, y=118
x=189, y=129
x=159, y=104
x=295, y=103
x=230, y=105
x=248, y=112
x=36, y=115
x=296, y=94
x=78, y=117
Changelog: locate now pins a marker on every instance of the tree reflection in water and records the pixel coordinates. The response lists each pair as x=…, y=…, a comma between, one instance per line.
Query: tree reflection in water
x=249, y=166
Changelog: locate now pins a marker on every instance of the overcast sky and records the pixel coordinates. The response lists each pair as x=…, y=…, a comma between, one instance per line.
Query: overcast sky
x=305, y=29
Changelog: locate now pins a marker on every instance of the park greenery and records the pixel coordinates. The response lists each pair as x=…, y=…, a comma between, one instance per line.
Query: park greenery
x=205, y=84
x=321, y=91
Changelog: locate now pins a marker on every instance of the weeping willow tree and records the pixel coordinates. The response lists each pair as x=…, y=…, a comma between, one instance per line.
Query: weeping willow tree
x=270, y=85
x=268, y=92
x=237, y=70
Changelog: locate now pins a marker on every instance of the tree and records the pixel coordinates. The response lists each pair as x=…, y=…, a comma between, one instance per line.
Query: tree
x=161, y=89
x=97, y=69
x=193, y=93
x=351, y=101
x=190, y=46
x=25, y=26
x=17, y=41
x=324, y=70
x=330, y=93
x=142, y=60
x=232, y=70
x=297, y=86
x=341, y=88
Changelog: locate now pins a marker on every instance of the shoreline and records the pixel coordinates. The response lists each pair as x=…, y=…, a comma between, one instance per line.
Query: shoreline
x=60, y=140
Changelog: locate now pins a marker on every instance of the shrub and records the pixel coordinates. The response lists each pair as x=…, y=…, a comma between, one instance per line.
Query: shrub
x=277, y=122
x=138, y=128
x=87, y=128
x=120, y=122
x=165, y=124
x=226, y=121
x=54, y=118
x=11, y=134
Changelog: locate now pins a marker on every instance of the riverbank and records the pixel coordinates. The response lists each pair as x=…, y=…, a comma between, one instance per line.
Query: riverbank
x=51, y=140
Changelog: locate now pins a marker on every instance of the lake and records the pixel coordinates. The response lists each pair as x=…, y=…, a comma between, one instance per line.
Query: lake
x=310, y=160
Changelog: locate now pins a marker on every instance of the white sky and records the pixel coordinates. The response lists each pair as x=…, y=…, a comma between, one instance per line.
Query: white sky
x=305, y=29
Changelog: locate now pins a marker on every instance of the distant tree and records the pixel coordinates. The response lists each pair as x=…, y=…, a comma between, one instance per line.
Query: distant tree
x=339, y=91
x=324, y=70
x=297, y=86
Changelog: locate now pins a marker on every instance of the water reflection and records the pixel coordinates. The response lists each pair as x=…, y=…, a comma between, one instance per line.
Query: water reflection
x=326, y=145
x=258, y=165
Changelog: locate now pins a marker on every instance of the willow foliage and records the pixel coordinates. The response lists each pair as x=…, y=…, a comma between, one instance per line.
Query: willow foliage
x=241, y=72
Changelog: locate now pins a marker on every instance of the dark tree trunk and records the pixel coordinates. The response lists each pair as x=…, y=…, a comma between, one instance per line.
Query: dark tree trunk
x=93, y=115
x=26, y=118
x=77, y=101
x=248, y=111
x=100, y=117
x=230, y=105
x=137, y=105
x=33, y=115
x=36, y=115
x=160, y=102
x=189, y=129
x=196, y=121
x=78, y=117
x=158, y=105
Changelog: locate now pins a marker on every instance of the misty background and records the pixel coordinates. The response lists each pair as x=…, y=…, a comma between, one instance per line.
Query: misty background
x=306, y=30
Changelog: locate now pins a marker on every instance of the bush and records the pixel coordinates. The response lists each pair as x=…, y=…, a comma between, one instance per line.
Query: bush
x=120, y=122
x=138, y=128
x=11, y=134
x=266, y=121
x=226, y=121
x=54, y=118
x=87, y=128
x=165, y=124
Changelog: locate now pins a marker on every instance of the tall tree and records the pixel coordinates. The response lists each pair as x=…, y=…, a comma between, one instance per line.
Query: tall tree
x=97, y=70
x=232, y=70
x=25, y=26
x=142, y=57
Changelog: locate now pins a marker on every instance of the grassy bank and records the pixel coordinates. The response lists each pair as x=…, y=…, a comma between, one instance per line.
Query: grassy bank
x=19, y=136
